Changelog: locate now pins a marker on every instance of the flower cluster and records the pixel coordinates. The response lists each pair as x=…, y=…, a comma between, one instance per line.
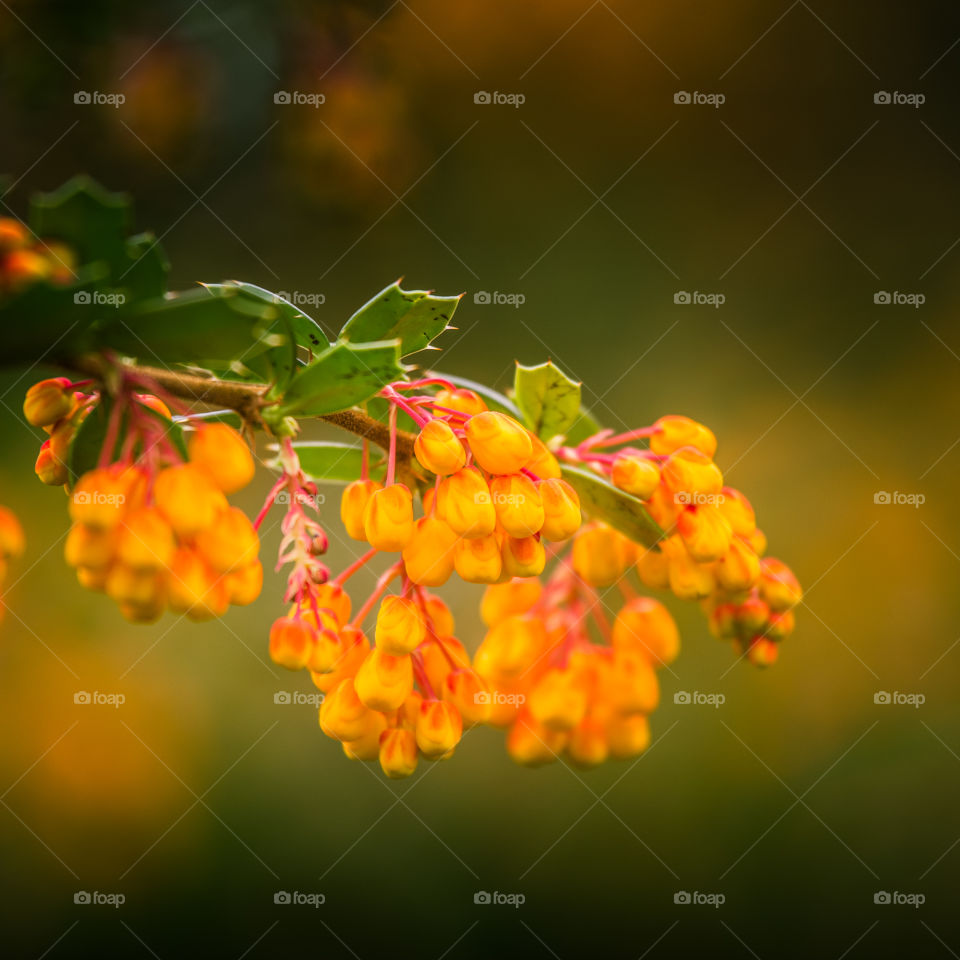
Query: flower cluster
x=712, y=550
x=151, y=528
x=24, y=259
x=12, y=543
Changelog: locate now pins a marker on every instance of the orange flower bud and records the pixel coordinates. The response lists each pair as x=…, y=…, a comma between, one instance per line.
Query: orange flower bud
x=326, y=650
x=13, y=235
x=146, y=541
x=738, y=511
x=141, y=588
x=599, y=556
x=155, y=404
x=353, y=506
x=478, y=560
x=523, y=557
x=143, y=612
x=400, y=625
x=780, y=625
x=291, y=642
x=398, y=753
x=510, y=648
x=762, y=652
x=531, y=744
x=738, y=568
x=543, y=463
x=462, y=400
x=509, y=599
x=559, y=700
x=438, y=449
x=778, y=585
x=758, y=540
x=561, y=509
x=674, y=432
x=48, y=401
x=230, y=542
x=188, y=498
x=464, y=503
x=467, y=691
x=517, y=504
x=12, y=540
x=723, y=621
x=388, y=518
x=705, y=532
x=194, y=589
x=662, y=507
x=439, y=728
x=102, y=496
x=223, y=453
x=645, y=624
x=22, y=268
x=50, y=469
x=587, y=746
x=429, y=556
x=353, y=653
x=690, y=475
x=406, y=715
x=438, y=614
x=631, y=685
x=367, y=745
x=244, y=585
x=331, y=596
x=498, y=442
x=752, y=616
x=653, y=568
x=689, y=580
x=636, y=475
x=93, y=578
x=384, y=681
x=342, y=715
x=628, y=735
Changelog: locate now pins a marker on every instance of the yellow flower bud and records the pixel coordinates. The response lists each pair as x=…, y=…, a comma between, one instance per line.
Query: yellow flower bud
x=326, y=649
x=523, y=557
x=542, y=462
x=763, y=652
x=517, y=504
x=509, y=599
x=188, y=498
x=531, y=744
x=384, y=681
x=146, y=540
x=461, y=399
x=353, y=652
x=463, y=502
x=353, y=506
x=498, y=442
x=103, y=496
x=438, y=449
x=342, y=715
x=636, y=475
x=367, y=745
x=587, y=746
x=137, y=587
x=49, y=468
x=653, y=568
x=511, y=648
x=478, y=560
x=467, y=691
x=559, y=700
x=662, y=507
x=89, y=547
x=93, y=578
x=645, y=624
x=398, y=753
x=438, y=615
x=561, y=509
x=440, y=657
x=223, y=453
x=12, y=540
x=758, y=540
x=738, y=511
x=388, y=518
x=631, y=685
x=688, y=474
x=194, y=589
x=738, y=568
x=400, y=625
x=429, y=556
x=628, y=735
x=244, y=585
x=689, y=580
x=230, y=542
x=705, y=532
x=48, y=401
x=439, y=728
x=779, y=586
x=291, y=642
x=599, y=555
x=674, y=432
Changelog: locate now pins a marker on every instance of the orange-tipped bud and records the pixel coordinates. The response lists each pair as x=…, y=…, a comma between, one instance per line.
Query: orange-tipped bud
x=88, y=547
x=738, y=511
x=499, y=443
x=398, y=753
x=763, y=652
x=93, y=578
x=438, y=449
x=23, y=268
x=531, y=744
x=752, y=617
x=479, y=560
x=12, y=539
x=439, y=728
x=543, y=463
x=587, y=746
x=367, y=745
x=429, y=556
x=464, y=504
x=49, y=468
x=645, y=624
x=230, y=542
x=187, y=497
x=400, y=625
x=146, y=540
x=48, y=401
x=662, y=507
x=523, y=557
x=461, y=399
x=599, y=555
x=691, y=475
x=561, y=509
x=509, y=599
x=103, y=496
x=628, y=735
x=342, y=715
x=13, y=235
x=636, y=475
x=388, y=518
x=559, y=700
x=244, y=585
x=511, y=648
x=223, y=453
x=155, y=404
x=291, y=642
x=758, y=540
x=354, y=652
x=705, y=532
x=467, y=691
x=141, y=588
x=331, y=596
x=723, y=621
x=325, y=652
x=439, y=616
x=780, y=625
x=440, y=657
x=778, y=584
x=738, y=568
x=384, y=681
x=517, y=503
x=689, y=580
x=674, y=432
x=653, y=568
x=194, y=589
x=631, y=685
x=353, y=506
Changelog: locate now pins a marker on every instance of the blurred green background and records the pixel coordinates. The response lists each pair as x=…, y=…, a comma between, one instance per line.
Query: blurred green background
x=599, y=199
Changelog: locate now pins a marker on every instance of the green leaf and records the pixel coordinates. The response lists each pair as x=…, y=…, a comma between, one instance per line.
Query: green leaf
x=494, y=400
x=586, y=425
x=603, y=501
x=342, y=376
x=414, y=317
x=548, y=399
x=337, y=462
x=145, y=275
x=90, y=219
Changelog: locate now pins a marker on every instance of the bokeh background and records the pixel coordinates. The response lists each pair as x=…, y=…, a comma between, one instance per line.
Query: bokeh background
x=597, y=200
